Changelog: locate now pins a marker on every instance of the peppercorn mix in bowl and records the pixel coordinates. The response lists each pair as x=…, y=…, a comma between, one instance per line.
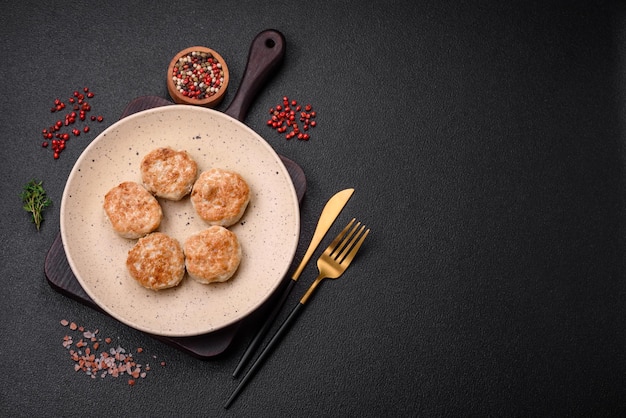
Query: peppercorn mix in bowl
x=197, y=76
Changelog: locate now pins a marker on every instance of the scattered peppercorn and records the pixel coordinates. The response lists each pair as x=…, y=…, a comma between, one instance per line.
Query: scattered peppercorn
x=79, y=107
x=284, y=119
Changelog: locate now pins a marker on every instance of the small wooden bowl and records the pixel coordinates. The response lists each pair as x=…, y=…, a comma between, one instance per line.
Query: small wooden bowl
x=209, y=101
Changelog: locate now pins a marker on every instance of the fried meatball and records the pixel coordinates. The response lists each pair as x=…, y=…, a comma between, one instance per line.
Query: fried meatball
x=156, y=261
x=168, y=174
x=132, y=210
x=220, y=197
x=212, y=255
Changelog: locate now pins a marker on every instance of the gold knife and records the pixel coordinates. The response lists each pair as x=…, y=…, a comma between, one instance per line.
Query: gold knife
x=331, y=211
x=329, y=214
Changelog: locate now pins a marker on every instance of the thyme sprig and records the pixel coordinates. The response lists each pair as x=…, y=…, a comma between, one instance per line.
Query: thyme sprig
x=35, y=201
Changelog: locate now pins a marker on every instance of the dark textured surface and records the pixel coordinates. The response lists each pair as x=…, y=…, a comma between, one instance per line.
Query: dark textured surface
x=485, y=143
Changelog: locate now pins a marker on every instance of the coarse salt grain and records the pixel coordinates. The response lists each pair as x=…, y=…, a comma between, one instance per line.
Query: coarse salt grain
x=113, y=361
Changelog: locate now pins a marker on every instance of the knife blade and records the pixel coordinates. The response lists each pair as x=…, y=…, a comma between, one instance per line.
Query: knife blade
x=331, y=211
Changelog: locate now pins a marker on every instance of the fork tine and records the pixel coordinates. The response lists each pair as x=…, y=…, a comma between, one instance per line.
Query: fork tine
x=349, y=241
x=333, y=245
x=345, y=262
x=346, y=239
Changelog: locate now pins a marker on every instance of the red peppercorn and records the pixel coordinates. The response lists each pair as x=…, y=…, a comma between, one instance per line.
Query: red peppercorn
x=284, y=118
x=54, y=135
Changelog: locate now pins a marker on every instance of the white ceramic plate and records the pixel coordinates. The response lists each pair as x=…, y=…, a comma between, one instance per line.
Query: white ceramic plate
x=268, y=231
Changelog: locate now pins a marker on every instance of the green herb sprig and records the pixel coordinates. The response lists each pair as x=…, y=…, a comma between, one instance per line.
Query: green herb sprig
x=35, y=201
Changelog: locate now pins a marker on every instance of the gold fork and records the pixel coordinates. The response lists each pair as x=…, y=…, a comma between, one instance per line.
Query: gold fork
x=331, y=265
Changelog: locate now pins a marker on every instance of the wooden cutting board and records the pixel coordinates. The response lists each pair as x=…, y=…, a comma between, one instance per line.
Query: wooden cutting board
x=61, y=278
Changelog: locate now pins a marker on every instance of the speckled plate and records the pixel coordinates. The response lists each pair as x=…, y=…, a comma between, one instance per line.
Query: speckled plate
x=268, y=231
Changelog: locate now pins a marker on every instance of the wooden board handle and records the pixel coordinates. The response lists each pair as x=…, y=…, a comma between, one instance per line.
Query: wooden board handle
x=266, y=54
